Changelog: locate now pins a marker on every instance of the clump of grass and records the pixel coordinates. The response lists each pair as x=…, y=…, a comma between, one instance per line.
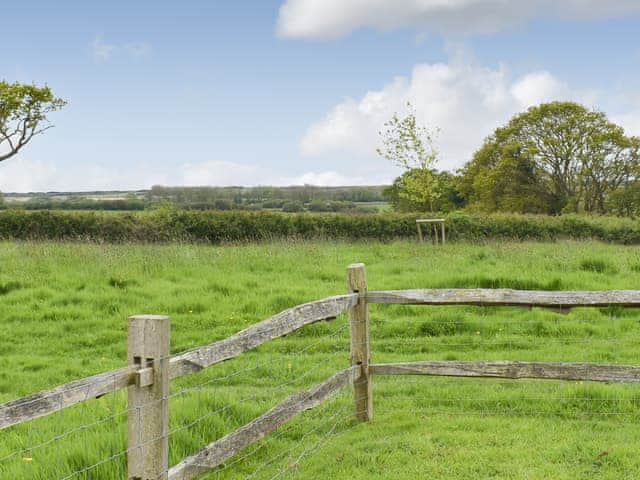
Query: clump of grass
x=503, y=282
x=8, y=287
x=443, y=328
x=121, y=283
x=217, y=288
x=597, y=265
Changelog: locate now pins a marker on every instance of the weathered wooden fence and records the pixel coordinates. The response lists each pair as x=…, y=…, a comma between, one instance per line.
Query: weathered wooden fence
x=150, y=368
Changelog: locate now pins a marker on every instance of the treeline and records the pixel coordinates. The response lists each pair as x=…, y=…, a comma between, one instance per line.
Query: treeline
x=79, y=203
x=555, y=158
x=264, y=196
x=287, y=199
x=215, y=227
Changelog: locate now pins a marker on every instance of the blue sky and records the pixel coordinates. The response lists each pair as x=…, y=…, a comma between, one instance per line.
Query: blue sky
x=288, y=92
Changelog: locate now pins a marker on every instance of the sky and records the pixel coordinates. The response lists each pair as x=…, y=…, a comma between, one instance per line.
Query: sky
x=284, y=92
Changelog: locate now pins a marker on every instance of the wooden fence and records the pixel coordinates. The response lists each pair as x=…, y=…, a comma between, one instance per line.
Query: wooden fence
x=150, y=368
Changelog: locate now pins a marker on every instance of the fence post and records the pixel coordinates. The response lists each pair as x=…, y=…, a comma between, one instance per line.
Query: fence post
x=360, y=351
x=148, y=402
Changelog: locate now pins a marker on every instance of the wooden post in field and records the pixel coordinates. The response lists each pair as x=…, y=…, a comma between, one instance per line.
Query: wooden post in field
x=360, y=350
x=148, y=404
x=433, y=224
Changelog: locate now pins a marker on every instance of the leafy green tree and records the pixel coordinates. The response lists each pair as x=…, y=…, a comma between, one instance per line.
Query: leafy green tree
x=555, y=157
x=500, y=178
x=293, y=206
x=447, y=195
x=23, y=115
x=412, y=147
x=625, y=200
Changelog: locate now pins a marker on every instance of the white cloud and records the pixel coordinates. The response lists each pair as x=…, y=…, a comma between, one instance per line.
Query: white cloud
x=465, y=101
x=325, y=179
x=103, y=52
x=539, y=87
x=334, y=18
x=28, y=175
x=20, y=174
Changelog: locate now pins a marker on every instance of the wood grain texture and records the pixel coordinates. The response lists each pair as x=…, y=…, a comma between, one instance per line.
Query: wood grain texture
x=508, y=297
x=148, y=417
x=507, y=369
x=360, y=346
x=217, y=452
x=277, y=326
x=49, y=401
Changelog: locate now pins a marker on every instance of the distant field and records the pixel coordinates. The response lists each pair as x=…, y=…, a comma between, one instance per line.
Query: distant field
x=351, y=199
x=380, y=206
x=63, y=310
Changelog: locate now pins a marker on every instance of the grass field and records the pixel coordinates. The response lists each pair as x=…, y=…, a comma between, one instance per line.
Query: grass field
x=63, y=310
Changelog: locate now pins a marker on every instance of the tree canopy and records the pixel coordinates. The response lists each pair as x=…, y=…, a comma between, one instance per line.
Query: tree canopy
x=555, y=157
x=411, y=146
x=23, y=115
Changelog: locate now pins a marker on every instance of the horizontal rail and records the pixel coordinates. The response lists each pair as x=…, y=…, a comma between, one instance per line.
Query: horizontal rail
x=505, y=369
x=63, y=396
x=217, y=452
x=49, y=401
x=508, y=297
x=277, y=326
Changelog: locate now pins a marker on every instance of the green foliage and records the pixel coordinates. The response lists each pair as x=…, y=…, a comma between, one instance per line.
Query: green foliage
x=554, y=158
x=625, y=200
x=24, y=113
x=269, y=197
x=408, y=144
x=81, y=203
x=412, y=147
x=322, y=206
x=168, y=223
x=206, y=198
x=597, y=265
x=294, y=206
x=445, y=199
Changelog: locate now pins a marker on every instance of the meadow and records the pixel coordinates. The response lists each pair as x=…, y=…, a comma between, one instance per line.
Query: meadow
x=63, y=310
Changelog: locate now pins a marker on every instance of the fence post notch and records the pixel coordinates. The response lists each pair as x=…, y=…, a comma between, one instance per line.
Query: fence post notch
x=360, y=349
x=148, y=402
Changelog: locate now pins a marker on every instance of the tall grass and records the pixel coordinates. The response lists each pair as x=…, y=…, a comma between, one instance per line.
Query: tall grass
x=63, y=310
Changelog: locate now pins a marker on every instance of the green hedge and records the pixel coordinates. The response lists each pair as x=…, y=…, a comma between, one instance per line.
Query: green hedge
x=216, y=226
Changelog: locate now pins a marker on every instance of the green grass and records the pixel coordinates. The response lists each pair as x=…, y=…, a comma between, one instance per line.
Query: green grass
x=63, y=310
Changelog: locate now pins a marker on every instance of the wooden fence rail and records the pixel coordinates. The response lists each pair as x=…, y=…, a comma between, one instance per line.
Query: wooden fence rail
x=150, y=368
x=590, y=372
x=506, y=297
x=63, y=396
x=217, y=452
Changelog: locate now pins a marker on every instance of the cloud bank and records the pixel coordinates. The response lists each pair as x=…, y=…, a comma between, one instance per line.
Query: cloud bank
x=465, y=101
x=324, y=19
x=29, y=175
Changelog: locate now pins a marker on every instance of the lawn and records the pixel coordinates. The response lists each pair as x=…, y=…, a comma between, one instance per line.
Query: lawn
x=63, y=310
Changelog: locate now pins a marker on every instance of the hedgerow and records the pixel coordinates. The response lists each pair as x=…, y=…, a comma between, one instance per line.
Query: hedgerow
x=228, y=226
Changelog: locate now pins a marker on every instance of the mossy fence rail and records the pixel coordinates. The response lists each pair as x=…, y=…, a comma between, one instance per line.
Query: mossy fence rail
x=150, y=367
